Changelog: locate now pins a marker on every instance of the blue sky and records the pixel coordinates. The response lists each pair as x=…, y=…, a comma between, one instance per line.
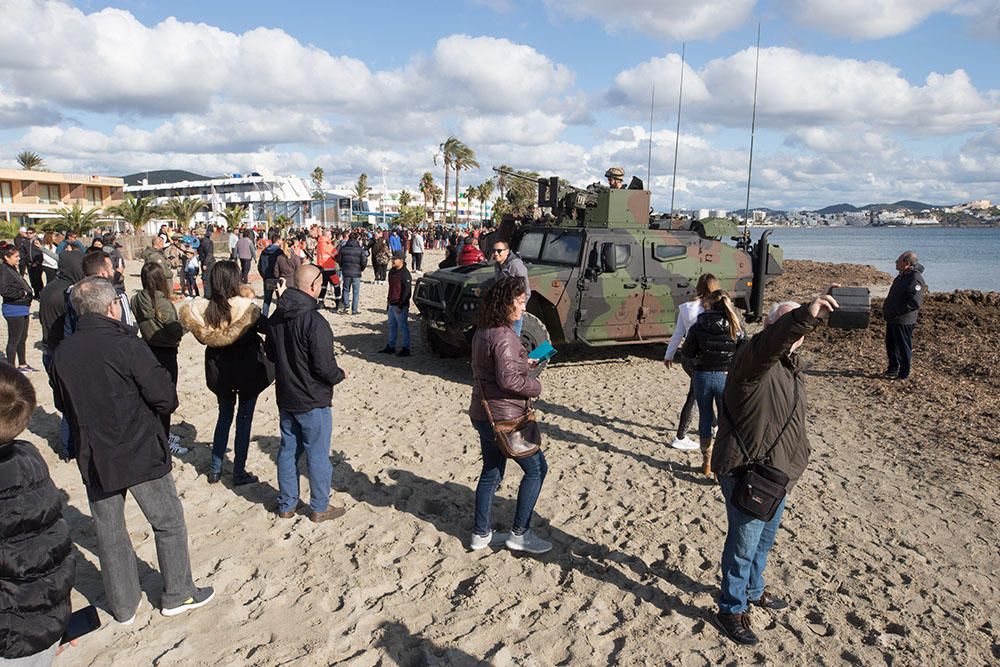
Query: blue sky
x=860, y=101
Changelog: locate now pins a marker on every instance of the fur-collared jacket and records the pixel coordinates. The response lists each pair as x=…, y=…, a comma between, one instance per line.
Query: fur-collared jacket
x=234, y=358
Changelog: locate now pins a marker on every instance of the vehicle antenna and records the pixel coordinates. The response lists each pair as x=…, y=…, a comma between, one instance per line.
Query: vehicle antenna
x=677, y=134
x=753, y=125
x=649, y=157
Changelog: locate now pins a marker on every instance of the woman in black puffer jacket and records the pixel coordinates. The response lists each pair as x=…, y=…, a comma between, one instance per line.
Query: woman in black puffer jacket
x=37, y=570
x=710, y=343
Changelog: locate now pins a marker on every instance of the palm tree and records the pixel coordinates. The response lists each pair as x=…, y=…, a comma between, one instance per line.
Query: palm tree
x=136, y=212
x=361, y=188
x=182, y=209
x=317, y=179
x=8, y=230
x=465, y=158
x=471, y=192
x=31, y=161
x=234, y=216
x=485, y=191
x=73, y=219
x=404, y=199
x=447, y=155
x=280, y=222
x=427, y=188
x=501, y=180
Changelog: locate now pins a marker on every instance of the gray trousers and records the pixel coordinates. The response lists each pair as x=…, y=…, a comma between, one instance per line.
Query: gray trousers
x=162, y=508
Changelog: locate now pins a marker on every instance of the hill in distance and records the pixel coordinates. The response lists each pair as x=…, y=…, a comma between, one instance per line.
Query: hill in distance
x=907, y=204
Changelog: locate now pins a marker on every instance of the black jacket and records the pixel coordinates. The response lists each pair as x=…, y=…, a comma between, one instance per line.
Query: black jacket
x=112, y=389
x=37, y=569
x=52, y=299
x=353, y=259
x=13, y=289
x=905, y=297
x=708, y=342
x=206, y=253
x=267, y=263
x=300, y=343
x=404, y=287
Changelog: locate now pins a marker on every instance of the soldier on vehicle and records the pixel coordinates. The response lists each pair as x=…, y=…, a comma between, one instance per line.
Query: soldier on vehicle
x=616, y=178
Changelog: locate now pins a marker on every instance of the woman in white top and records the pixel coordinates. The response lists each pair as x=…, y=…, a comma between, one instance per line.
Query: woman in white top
x=687, y=313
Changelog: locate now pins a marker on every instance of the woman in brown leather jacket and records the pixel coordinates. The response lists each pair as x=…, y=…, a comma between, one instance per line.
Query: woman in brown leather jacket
x=500, y=365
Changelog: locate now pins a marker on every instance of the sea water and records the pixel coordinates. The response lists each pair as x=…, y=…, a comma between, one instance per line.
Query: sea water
x=953, y=257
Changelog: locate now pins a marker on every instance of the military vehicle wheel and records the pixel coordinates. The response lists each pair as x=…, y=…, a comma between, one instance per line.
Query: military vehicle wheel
x=435, y=342
x=533, y=332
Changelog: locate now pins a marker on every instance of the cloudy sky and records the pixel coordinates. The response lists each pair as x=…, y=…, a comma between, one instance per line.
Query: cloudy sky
x=858, y=100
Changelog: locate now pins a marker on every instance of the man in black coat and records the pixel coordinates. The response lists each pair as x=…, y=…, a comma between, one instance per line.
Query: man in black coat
x=300, y=343
x=400, y=288
x=110, y=385
x=352, y=259
x=206, y=257
x=901, y=307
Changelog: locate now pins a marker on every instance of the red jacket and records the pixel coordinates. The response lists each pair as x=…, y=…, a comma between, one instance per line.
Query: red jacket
x=470, y=254
x=326, y=253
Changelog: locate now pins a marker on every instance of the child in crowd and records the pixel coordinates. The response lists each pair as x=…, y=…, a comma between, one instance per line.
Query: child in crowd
x=38, y=570
x=191, y=269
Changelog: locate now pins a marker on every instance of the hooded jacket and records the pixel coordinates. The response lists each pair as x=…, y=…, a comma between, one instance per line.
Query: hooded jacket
x=267, y=263
x=157, y=321
x=37, y=569
x=759, y=395
x=114, y=390
x=52, y=300
x=13, y=289
x=500, y=368
x=300, y=343
x=234, y=360
x=905, y=296
x=513, y=268
x=152, y=255
x=709, y=343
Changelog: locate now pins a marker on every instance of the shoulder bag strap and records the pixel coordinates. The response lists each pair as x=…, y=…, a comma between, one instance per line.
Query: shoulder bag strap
x=739, y=438
x=482, y=396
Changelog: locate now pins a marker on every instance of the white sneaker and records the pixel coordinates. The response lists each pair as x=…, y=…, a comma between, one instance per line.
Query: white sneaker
x=686, y=444
x=715, y=430
x=528, y=542
x=176, y=449
x=480, y=541
x=130, y=621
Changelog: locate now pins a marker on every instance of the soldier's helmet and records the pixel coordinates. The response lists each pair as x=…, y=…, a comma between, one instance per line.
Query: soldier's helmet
x=615, y=172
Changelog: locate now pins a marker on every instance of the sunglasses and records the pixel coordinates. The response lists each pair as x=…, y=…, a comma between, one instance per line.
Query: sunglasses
x=499, y=251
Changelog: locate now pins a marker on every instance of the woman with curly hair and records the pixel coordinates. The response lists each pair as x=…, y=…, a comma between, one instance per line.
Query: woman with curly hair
x=500, y=368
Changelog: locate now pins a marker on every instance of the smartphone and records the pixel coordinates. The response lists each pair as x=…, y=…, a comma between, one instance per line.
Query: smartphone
x=81, y=622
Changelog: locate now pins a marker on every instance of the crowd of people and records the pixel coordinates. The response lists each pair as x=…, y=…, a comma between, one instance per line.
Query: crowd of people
x=116, y=425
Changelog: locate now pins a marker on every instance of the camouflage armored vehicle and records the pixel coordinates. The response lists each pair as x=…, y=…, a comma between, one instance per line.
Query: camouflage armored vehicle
x=601, y=271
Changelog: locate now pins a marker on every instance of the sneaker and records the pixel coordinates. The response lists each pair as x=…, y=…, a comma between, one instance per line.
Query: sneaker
x=130, y=620
x=27, y=369
x=177, y=450
x=173, y=438
x=201, y=597
x=214, y=477
x=403, y=352
x=243, y=478
x=768, y=601
x=480, y=541
x=330, y=512
x=528, y=542
x=685, y=444
x=737, y=628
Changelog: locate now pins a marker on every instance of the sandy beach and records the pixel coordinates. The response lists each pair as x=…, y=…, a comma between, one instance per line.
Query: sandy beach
x=888, y=551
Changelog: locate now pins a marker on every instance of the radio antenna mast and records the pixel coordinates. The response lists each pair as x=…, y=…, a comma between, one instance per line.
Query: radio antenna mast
x=649, y=156
x=677, y=133
x=753, y=125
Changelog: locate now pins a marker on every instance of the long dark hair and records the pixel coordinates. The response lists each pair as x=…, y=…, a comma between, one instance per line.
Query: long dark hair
x=494, y=308
x=154, y=282
x=720, y=301
x=225, y=281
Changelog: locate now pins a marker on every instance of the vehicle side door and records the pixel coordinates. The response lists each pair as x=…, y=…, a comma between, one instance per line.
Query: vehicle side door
x=671, y=267
x=609, y=297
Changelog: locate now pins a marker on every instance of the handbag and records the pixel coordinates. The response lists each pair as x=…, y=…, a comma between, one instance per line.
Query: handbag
x=760, y=487
x=516, y=438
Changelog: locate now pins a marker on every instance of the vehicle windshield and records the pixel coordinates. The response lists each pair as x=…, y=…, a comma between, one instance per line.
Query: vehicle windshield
x=553, y=246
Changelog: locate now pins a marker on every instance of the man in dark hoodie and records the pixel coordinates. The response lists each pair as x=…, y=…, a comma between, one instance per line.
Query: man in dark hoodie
x=206, y=257
x=267, y=266
x=353, y=260
x=300, y=343
x=52, y=315
x=901, y=307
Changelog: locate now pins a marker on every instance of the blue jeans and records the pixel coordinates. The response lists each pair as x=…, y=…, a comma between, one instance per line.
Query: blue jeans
x=398, y=322
x=352, y=286
x=65, y=434
x=244, y=419
x=744, y=555
x=708, y=386
x=494, y=463
x=308, y=433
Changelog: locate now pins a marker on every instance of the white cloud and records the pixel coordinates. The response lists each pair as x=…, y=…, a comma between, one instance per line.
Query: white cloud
x=674, y=19
x=864, y=19
x=983, y=16
x=17, y=111
x=533, y=128
x=801, y=89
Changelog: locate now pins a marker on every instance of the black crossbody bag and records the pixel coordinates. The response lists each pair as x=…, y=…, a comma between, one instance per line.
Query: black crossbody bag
x=760, y=487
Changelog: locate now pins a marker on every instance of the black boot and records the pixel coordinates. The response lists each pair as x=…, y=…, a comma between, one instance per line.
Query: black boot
x=737, y=628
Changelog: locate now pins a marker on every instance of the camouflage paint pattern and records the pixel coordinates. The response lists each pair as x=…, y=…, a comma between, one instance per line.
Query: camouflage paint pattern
x=636, y=302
